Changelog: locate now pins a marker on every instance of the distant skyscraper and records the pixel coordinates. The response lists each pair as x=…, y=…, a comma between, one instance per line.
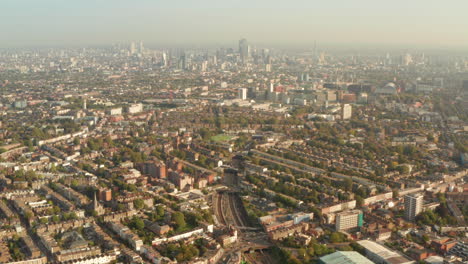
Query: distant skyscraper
x=204, y=66
x=221, y=53
x=407, y=59
x=465, y=85
x=321, y=59
x=388, y=59
x=141, y=48
x=243, y=50
x=183, y=62
x=243, y=93
x=315, y=55
x=164, y=59
x=132, y=48
x=413, y=205
x=271, y=88
x=347, y=111
x=265, y=53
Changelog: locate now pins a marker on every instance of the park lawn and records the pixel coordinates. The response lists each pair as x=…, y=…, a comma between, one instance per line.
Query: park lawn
x=221, y=137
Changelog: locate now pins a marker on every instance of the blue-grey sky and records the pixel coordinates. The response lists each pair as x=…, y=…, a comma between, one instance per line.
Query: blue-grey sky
x=429, y=23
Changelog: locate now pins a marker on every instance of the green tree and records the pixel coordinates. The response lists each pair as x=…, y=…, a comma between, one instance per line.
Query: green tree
x=348, y=184
x=359, y=201
x=138, y=203
x=120, y=207
x=337, y=237
x=56, y=218
x=138, y=223
x=179, y=221
x=160, y=210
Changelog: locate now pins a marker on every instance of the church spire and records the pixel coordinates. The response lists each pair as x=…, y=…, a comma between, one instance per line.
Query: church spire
x=95, y=202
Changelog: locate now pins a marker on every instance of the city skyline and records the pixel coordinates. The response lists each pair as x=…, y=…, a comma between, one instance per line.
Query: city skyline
x=428, y=24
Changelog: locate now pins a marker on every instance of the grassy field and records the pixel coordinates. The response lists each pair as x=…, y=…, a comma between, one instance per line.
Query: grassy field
x=221, y=137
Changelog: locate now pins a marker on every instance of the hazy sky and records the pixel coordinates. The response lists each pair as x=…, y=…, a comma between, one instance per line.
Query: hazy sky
x=435, y=23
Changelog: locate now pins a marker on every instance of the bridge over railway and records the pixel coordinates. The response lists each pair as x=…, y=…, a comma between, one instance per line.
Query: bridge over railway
x=253, y=242
x=247, y=228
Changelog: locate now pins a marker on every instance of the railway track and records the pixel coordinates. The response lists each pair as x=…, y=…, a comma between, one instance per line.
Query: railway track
x=243, y=213
x=219, y=209
x=235, y=211
x=258, y=258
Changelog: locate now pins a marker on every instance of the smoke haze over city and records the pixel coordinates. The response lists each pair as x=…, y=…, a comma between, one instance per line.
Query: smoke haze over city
x=428, y=23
